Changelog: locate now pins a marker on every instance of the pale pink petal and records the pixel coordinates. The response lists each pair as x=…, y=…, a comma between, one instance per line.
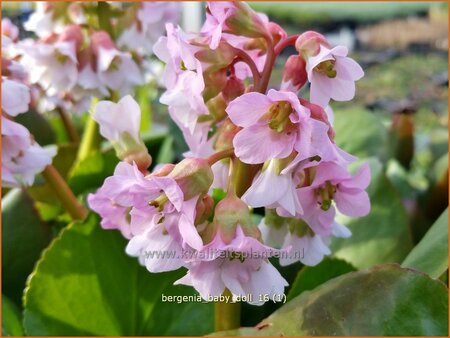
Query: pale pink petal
x=247, y=109
x=259, y=143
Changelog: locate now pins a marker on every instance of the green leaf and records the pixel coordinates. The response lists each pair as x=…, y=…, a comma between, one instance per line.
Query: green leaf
x=165, y=153
x=312, y=276
x=24, y=236
x=85, y=284
x=11, y=318
x=91, y=172
x=38, y=126
x=431, y=254
x=386, y=300
x=382, y=236
x=361, y=142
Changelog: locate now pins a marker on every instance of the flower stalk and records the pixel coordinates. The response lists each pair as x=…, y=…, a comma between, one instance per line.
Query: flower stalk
x=227, y=315
x=75, y=209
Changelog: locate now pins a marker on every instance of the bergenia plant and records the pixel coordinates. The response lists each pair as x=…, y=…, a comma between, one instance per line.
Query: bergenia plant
x=263, y=147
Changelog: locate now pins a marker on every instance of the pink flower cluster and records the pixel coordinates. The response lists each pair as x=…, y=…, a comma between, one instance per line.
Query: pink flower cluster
x=265, y=148
x=22, y=157
x=75, y=60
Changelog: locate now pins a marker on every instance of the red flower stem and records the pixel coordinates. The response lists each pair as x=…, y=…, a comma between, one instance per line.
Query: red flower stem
x=243, y=56
x=75, y=209
x=220, y=155
x=288, y=41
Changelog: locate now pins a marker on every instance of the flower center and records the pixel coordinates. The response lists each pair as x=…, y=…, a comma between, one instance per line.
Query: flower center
x=60, y=57
x=279, y=116
x=159, y=202
x=327, y=68
x=115, y=64
x=326, y=193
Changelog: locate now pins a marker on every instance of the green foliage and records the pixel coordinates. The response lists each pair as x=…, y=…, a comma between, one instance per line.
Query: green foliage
x=11, y=318
x=24, y=236
x=310, y=277
x=431, y=254
x=86, y=285
x=383, y=301
x=360, y=133
x=383, y=235
x=90, y=173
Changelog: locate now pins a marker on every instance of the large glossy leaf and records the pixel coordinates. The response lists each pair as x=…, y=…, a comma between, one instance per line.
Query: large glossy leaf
x=24, y=236
x=431, y=254
x=386, y=300
x=91, y=172
x=360, y=133
x=381, y=237
x=310, y=277
x=11, y=318
x=85, y=284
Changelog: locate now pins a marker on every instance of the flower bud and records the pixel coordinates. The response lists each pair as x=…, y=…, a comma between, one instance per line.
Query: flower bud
x=308, y=43
x=204, y=209
x=163, y=170
x=294, y=73
x=234, y=88
x=194, y=176
x=119, y=124
x=318, y=113
x=214, y=83
x=245, y=21
x=99, y=40
x=74, y=34
x=218, y=58
x=225, y=135
x=277, y=32
x=216, y=107
x=231, y=212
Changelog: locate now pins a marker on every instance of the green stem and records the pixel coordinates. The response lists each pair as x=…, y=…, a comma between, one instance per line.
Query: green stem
x=104, y=17
x=75, y=209
x=227, y=316
x=90, y=141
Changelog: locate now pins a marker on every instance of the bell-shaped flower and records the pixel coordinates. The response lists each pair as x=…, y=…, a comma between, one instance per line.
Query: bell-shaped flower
x=22, y=158
x=117, y=70
x=15, y=97
x=233, y=17
x=120, y=124
x=332, y=75
x=240, y=266
x=330, y=182
x=148, y=25
x=52, y=65
x=262, y=193
x=274, y=125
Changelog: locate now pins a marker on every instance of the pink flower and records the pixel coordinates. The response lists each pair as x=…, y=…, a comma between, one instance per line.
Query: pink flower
x=308, y=249
x=9, y=29
x=262, y=193
x=332, y=75
x=22, y=158
x=15, y=97
x=149, y=26
x=331, y=182
x=118, y=118
x=235, y=18
x=42, y=22
x=274, y=125
x=113, y=200
x=240, y=266
x=53, y=66
x=116, y=70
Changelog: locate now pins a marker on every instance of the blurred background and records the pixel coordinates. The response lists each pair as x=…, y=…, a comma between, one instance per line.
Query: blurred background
x=398, y=120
